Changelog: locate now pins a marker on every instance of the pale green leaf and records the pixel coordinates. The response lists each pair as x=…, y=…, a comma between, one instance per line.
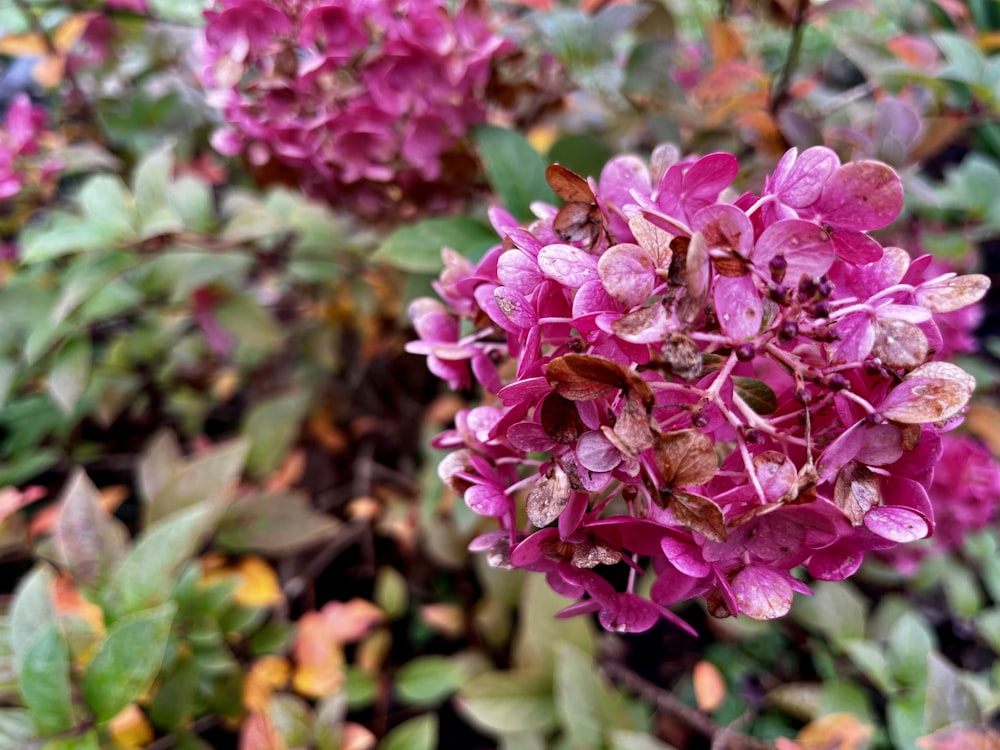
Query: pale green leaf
x=419, y=733
x=417, y=247
x=271, y=426
x=31, y=610
x=70, y=374
x=275, y=523
x=428, y=680
x=45, y=682
x=508, y=702
x=128, y=661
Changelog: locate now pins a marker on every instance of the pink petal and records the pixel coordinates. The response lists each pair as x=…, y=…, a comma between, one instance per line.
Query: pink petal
x=805, y=245
x=627, y=273
x=762, y=593
x=896, y=524
x=862, y=195
x=568, y=265
x=738, y=306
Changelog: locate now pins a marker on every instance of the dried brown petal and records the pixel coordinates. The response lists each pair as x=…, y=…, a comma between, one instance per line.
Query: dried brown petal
x=568, y=185
x=581, y=377
x=911, y=436
x=700, y=514
x=560, y=419
x=954, y=293
x=678, y=260
x=579, y=222
x=685, y=458
x=696, y=274
x=633, y=428
x=683, y=356
x=804, y=490
x=716, y=605
x=499, y=555
x=652, y=239
x=731, y=265
x=643, y=326
x=548, y=497
x=452, y=464
x=899, y=344
x=591, y=554
x=856, y=491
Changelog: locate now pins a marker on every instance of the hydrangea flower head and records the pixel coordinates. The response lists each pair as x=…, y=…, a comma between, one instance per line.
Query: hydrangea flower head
x=707, y=389
x=21, y=160
x=364, y=99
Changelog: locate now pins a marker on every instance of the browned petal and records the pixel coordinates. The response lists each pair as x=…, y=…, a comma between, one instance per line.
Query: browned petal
x=633, y=427
x=548, y=497
x=700, y=514
x=591, y=554
x=856, y=491
x=560, y=419
x=685, y=458
x=581, y=377
x=683, y=356
x=568, y=185
x=899, y=344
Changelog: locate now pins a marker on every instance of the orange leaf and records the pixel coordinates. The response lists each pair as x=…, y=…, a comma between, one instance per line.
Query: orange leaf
x=841, y=731
x=347, y=622
x=709, y=686
x=259, y=733
x=12, y=499
x=267, y=674
x=356, y=737
x=446, y=619
x=130, y=729
x=319, y=658
x=724, y=41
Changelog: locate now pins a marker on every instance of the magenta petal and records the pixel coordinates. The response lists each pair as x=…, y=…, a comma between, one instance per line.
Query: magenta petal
x=572, y=514
x=596, y=452
x=627, y=273
x=487, y=500
x=725, y=226
x=529, y=437
x=805, y=245
x=628, y=613
x=762, y=593
x=710, y=175
x=516, y=270
x=568, y=265
x=804, y=182
x=883, y=445
x=856, y=247
x=738, y=306
x=686, y=556
x=836, y=562
x=515, y=307
x=896, y=524
x=862, y=195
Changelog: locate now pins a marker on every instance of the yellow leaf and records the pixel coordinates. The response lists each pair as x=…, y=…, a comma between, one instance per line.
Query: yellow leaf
x=709, y=686
x=259, y=586
x=23, y=45
x=130, y=729
x=269, y=673
x=49, y=70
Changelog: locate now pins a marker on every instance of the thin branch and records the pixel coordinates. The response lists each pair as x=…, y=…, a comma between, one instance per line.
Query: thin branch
x=723, y=738
x=779, y=94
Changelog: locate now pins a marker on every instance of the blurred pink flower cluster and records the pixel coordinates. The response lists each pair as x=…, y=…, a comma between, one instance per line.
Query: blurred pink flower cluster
x=358, y=96
x=965, y=494
x=20, y=149
x=704, y=387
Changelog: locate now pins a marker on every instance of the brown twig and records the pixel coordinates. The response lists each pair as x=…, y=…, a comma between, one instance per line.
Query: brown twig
x=779, y=94
x=723, y=738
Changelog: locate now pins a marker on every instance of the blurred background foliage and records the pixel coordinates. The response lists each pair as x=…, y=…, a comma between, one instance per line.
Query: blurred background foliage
x=221, y=523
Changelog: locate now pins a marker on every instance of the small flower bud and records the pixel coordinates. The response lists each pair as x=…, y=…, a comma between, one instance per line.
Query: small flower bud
x=874, y=367
x=699, y=419
x=788, y=331
x=745, y=352
x=753, y=436
x=576, y=345
x=808, y=287
x=821, y=310
x=629, y=493
x=778, y=265
x=824, y=288
x=836, y=382
x=780, y=293
x=875, y=418
x=803, y=396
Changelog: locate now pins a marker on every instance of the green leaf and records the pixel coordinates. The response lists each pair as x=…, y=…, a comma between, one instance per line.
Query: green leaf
x=158, y=462
x=45, y=682
x=428, y=680
x=17, y=729
x=271, y=426
x=128, y=661
x=581, y=152
x=206, y=478
x=583, y=697
x=8, y=371
x=89, y=740
x=256, y=331
x=390, y=592
x=508, y=702
x=70, y=374
x=909, y=643
x=64, y=233
x=417, y=247
x=836, y=609
x=539, y=630
x=173, y=706
x=150, y=182
x=188, y=12
x=757, y=394
x=871, y=660
x=962, y=590
x=274, y=523
x=293, y=719
x=106, y=203
x=949, y=699
x=965, y=61
x=515, y=170
x=31, y=610
x=83, y=280
x=192, y=198
x=147, y=573
x=905, y=719
x=89, y=540
x=419, y=733
x=622, y=739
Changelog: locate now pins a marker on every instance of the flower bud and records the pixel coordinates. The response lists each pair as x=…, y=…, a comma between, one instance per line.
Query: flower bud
x=745, y=352
x=788, y=331
x=821, y=310
x=836, y=382
x=778, y=265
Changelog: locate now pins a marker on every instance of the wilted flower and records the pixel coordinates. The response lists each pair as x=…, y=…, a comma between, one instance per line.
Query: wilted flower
x=706, y=390
x=363, y=99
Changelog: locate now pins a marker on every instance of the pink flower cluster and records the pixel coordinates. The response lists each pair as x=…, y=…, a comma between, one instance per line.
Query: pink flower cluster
x=703, y=387
x=965, y=494
x=358, y=96
x=19, y=145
